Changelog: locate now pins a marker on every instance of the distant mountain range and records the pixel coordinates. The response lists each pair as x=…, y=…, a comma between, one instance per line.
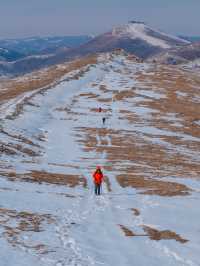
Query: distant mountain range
x=20, y=48
x=190, y=38
x=135, y=37
x=9, y=55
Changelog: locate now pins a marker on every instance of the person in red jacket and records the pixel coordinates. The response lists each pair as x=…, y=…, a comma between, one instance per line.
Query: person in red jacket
x=98, y=178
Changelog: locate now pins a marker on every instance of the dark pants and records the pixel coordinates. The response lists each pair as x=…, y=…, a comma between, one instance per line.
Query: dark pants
x=97, y=189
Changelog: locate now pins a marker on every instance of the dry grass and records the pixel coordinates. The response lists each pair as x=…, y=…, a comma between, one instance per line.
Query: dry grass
x=65, y=165
x=136, y=212
x=133, y=148
x=130, y=116
x=153, y=186
x=88, y=95
x=180, y=89
x=123, y=95
x=103, y=88
x=127, y=232
x=15, y=148
x=4, y=149
x=20, y=138
x=23, y=222
x=47, y=79
x=155, y=234
x=49, y=178
x=104, y=100
x=121, y=150
x=42, y=79
x=146, y=157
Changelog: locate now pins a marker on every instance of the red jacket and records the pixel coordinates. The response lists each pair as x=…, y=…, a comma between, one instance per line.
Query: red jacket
x=98, y=177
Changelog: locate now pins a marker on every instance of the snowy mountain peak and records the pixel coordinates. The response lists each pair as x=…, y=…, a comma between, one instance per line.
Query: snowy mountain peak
x=139, y=30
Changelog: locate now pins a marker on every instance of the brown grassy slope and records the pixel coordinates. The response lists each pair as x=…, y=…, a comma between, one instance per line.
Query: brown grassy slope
x=40, y=79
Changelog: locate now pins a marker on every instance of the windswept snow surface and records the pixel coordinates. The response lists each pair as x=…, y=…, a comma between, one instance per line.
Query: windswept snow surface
x=71, y=226
x=141, y=31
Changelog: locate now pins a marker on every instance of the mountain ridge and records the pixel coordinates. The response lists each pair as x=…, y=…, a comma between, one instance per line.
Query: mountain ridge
x=134, y=37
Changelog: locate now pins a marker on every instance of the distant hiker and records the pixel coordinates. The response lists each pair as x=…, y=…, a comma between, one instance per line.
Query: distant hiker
x=100, y=109
x=104, y=120
x=98, y=178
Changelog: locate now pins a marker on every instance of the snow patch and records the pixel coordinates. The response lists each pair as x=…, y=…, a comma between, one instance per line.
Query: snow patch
x=140, y=31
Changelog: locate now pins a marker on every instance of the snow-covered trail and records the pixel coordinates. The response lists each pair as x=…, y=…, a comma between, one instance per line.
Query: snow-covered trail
x=85, y=230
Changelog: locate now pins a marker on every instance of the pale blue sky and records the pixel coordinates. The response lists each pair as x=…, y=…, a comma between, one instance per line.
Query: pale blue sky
x=20, y=18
